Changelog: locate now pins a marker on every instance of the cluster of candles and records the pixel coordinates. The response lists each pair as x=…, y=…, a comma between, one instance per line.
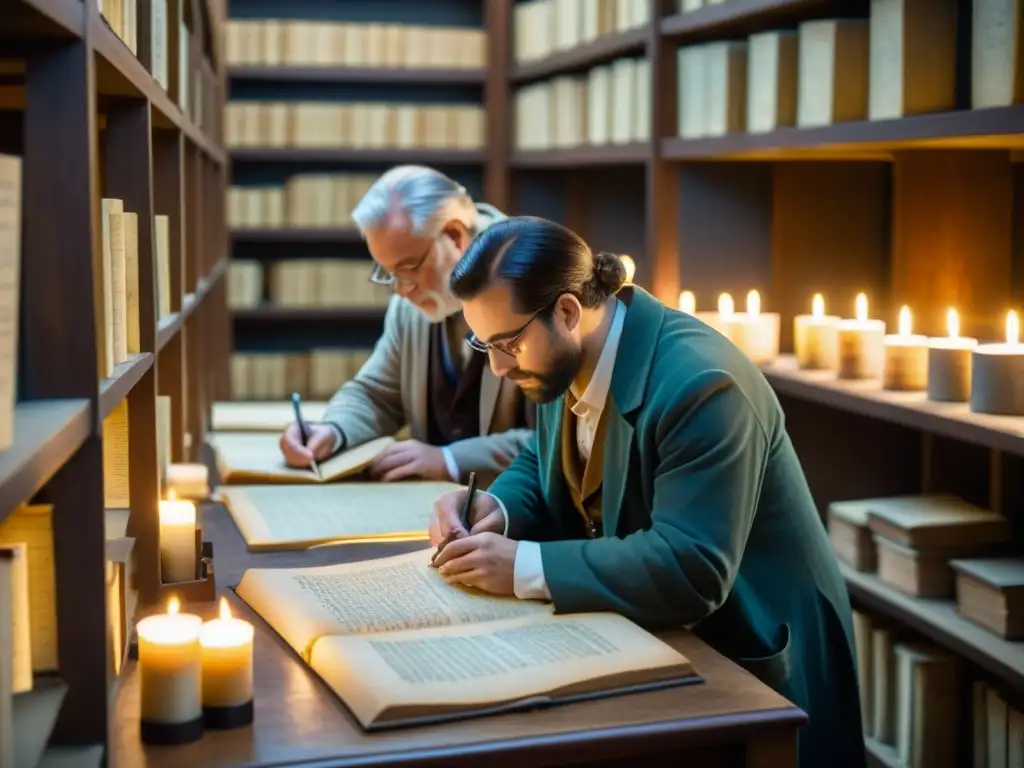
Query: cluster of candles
x=193, y=674
x=950, y=368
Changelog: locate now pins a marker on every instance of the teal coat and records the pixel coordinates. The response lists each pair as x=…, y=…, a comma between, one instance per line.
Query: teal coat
x=708, y=522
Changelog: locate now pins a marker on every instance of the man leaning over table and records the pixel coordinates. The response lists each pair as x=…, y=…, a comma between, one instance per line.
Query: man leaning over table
x=463, y=418
x=661, y=484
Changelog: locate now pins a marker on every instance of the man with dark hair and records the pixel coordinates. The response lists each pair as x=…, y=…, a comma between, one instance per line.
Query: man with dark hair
x=661, y=484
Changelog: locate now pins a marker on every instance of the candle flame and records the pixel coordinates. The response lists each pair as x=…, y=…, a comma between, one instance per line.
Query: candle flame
x=905, y=320
x=687, y=302
x=952, y=323
x=725, y=306
x=225, y=609
x=173, y=605
x=818, y=306
x=1012, y=328
x=753, y=304
x=171, y=495
x=861, y=307
x=630, y=265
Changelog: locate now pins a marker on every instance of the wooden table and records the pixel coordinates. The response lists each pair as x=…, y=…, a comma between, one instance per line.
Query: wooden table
x=731, y=719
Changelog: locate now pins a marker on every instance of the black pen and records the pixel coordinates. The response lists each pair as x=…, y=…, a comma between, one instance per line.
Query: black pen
x=467, y=506
x=304, y=431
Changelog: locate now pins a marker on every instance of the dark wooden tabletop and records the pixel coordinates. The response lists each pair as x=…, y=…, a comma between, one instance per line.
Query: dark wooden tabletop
x=300, y=722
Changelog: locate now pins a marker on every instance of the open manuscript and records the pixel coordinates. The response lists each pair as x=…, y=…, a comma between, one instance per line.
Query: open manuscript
x=270, y=416
x=279, y=517
x=401, y=646
x=256, y=458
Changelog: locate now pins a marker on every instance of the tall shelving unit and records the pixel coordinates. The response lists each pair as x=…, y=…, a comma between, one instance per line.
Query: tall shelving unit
x=266, y=327
x=90, y=121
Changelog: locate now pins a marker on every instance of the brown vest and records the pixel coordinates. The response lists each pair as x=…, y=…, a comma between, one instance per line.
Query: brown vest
x=454, y=396
x=584, y=480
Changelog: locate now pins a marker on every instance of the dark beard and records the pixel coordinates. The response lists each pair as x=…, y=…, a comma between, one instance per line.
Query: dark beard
x=554, y=382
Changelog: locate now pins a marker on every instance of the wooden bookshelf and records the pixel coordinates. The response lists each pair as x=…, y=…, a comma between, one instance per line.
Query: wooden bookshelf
x=95, y=123
x=604, y=48
x=368, y=75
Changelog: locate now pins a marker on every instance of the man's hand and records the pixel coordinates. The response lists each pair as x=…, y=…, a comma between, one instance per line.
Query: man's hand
x=485, y=516
x=319, y=447
x=409, y=458
x=486, y=561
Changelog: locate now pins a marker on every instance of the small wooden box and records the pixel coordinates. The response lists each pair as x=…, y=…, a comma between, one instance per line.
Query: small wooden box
x=771, y=81
x=990, y=592
x=913, y=572
x=725, y=88
x=833, y=72
x=997, y=61
x=851, y=538
x=913, y=57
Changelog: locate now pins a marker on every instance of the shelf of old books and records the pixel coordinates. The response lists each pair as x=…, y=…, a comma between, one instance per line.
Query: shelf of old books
x=93, y=174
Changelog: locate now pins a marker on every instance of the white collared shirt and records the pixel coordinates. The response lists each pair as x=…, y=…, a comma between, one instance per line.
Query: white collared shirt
x=528, y=578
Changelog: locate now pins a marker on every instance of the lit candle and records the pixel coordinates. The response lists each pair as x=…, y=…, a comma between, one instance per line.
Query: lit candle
x=178, y=556
x=860, y=343
x=719, y=320
x=630, y=265
x=997, y=374
x=905, y=360
x=170, y=676
x=227, y=670
x=756, y=332
x=188, y=481
x=814, y=337
x=949, y=363
x=687, y=302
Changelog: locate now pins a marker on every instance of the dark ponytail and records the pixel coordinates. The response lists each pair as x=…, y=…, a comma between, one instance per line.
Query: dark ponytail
x=539, y=260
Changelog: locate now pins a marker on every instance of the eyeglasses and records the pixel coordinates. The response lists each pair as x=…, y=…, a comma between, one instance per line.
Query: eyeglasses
x=408, y=275
x=509, y=346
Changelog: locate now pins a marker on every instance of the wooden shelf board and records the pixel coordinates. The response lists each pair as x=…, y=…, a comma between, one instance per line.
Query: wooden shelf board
x=909, y=409
x=45, y=17
x=120, y=73
x=167, y=328
x=308, y=314
x=739, y=14
x=604, y=48
x=998, y=127
x=939, y=621
x=46, y=435
x=126, y=376
x=297, y=235
x=376, y=75
x=350, y=155
x=578, y=157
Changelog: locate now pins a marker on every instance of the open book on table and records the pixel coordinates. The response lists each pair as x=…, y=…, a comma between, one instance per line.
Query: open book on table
x=401, y=646
x=279, y=517
x=256, y=458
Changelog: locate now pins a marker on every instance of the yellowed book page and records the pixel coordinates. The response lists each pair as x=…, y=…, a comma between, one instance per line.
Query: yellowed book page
x=162, y=244
x=257, y=457
x=279, y=517
x=33, y=526
x=10, y=277
x=108, y=207
x=163, y=436
x=382, y=595
x=119, y=286
x=116, y=479
x=19, y=616
x=443, y=670
x=133, y=338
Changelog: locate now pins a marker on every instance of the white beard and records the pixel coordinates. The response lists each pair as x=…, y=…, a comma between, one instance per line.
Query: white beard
x=445, y=305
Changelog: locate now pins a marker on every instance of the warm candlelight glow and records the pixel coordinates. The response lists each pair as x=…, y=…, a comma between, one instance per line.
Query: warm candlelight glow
x=725, y=306
x=753, y=304
x=173, y=605
x=952, y=323
x=630, y=265
x=1012, y=328
x=818, y=306
x=861, y=307
x=905, y=321
x=225, y=609
x=687, y=302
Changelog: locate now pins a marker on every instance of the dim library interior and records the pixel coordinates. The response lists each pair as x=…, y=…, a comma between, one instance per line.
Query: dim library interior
x=836, y=186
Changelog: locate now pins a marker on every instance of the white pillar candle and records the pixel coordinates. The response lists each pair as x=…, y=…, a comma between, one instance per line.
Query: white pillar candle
x=630, y=265
x=860, y=343
x=949, y=363
x=756, y=332
x=905, y=362
x=178, y=554
x=815, y=337
x=719, y=320
x=227, y=670
x=997, y=374
x=170, y=676
x=688, y=302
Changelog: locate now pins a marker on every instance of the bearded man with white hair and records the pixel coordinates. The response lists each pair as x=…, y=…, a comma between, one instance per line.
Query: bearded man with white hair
x=462, y=418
